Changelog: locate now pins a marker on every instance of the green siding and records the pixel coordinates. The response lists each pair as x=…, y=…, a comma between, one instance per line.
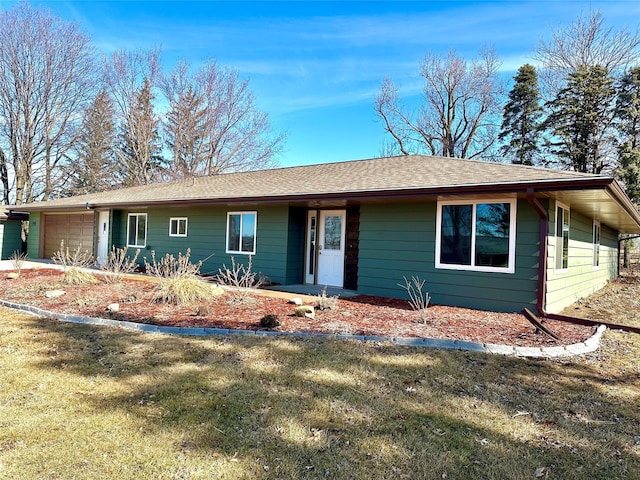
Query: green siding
x=581, y=278
x=10, y=238
x=399, y=240
x=34, y=238
x=206, y=237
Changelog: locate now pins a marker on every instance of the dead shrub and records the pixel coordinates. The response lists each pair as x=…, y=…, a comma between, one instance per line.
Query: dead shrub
x=418, y=299
x=242, y=278
x=324, y=302
x=17, y=260
x=118, y=263
x=74, y=264
x=178, y=281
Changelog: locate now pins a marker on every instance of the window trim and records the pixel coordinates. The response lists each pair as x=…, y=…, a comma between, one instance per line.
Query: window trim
x=255, y=232
x=146, y=227
x=178, y=220
x=567, y=209
x=513, y=201
x=595, y=253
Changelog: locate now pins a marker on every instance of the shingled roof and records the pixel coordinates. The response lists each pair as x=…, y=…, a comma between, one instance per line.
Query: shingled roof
x=380, y=176
x=410, y=176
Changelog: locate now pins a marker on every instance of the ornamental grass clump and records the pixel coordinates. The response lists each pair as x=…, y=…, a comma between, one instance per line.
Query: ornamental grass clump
x=74, y=265
x=178, y=282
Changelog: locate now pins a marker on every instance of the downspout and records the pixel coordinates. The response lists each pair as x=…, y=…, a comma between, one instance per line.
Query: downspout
x=542, y=277
x=542, y=259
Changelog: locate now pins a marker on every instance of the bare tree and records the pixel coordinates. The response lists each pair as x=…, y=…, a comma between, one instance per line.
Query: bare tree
x=124, y=74
x=214, y=125
x=46, y=67
x=460, y=109
x=585, y=43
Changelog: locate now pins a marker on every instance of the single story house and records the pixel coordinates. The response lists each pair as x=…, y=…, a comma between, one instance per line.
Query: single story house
x=483, y=235
x=10, y=232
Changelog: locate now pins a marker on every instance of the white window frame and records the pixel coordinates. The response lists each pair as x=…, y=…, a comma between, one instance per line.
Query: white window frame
x=566, y=208
x=177, y=221
x=255, y=232
x=474, y=202
x=146, y=227
x=595, y=239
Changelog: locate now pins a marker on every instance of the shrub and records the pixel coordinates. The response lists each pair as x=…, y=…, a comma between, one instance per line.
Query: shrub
x=240, y=276
x=172, y=267
x=269, y=321
x=17, y=260
x=418, y=299
x=323, y=302
x=118, y=264
x=74, y=264
x=178, y=281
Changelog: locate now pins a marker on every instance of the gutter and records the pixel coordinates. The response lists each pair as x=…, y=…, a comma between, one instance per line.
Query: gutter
x=542, y=276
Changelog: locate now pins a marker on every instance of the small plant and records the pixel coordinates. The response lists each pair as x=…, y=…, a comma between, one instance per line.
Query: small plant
x=118, y=264
x=324, y=302
x=418, y=299
x=17, y=260
x=74, y=264
x=172, y=267
x=269, y=321
x=178, y=281
x=240, y=276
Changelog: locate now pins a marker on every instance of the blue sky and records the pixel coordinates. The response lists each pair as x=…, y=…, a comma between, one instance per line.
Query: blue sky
x=316, y=66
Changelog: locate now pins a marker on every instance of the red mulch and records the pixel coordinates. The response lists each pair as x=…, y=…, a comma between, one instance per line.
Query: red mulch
x=361, y=315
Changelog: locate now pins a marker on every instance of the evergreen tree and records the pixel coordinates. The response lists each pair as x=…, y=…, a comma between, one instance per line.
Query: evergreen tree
x=139, y=147
x=521, y=118
x=185, y=129
x=93, y=170
x=628, y=123
x=581, y=118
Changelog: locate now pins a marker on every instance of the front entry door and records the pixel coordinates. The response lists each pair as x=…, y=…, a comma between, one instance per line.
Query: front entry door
x=331, y=229
x=103, y=236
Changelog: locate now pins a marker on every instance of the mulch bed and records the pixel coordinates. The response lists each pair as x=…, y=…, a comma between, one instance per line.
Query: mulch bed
x=361, y=315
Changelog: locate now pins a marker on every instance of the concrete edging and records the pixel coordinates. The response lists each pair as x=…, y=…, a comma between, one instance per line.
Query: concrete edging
x=589, y=345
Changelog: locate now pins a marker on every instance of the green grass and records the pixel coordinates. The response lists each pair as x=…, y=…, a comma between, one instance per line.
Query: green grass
x=95, y=402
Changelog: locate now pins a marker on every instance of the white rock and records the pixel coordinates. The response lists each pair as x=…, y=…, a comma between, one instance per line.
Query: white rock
x=54, y=293
x=305, y=311
x=113, y=307
x=296, y=301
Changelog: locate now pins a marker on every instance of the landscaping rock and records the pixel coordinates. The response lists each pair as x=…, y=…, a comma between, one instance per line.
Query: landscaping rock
x=54, y=293
x=305, y=311
x=113, y=307
x=13, y=275
x=296, y=301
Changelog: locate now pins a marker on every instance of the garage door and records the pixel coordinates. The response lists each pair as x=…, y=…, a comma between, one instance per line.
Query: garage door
x=74, y=229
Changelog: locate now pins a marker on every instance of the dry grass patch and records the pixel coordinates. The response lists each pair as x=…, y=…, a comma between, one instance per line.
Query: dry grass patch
x=95, y=403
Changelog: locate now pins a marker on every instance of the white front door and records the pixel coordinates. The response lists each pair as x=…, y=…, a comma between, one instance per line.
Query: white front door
x=103, y=236
x=331, y=233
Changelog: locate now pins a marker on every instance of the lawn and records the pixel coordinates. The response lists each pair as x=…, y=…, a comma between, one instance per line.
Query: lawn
x=96, y=402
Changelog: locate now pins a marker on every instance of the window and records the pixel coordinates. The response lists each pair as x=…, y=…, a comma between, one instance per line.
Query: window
x=178, y=227
x=137, y=230
x=596, y=244
x=476, y=236
x=562, y=237
x=241, y=232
